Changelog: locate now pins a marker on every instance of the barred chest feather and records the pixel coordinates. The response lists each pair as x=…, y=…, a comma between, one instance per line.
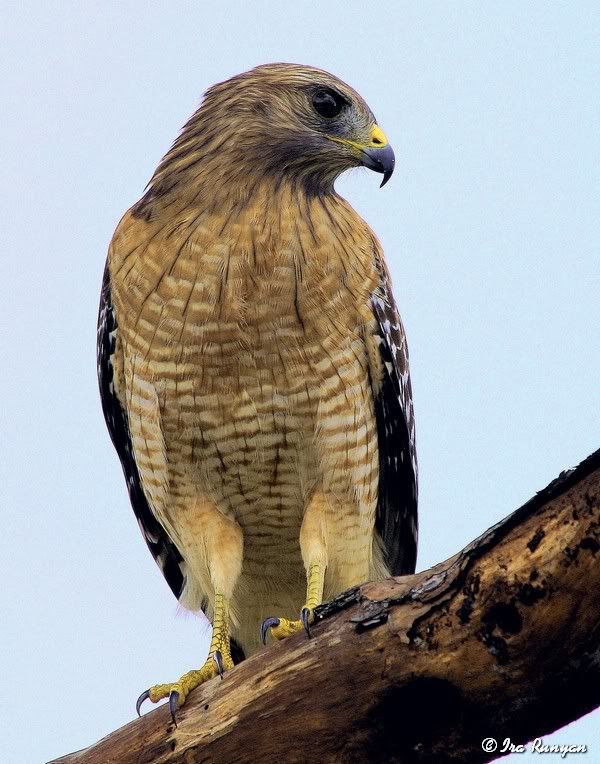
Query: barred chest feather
x=245, y=362
x=211, y=287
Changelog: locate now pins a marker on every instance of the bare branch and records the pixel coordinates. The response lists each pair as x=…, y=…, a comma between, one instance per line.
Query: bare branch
x=500, y=640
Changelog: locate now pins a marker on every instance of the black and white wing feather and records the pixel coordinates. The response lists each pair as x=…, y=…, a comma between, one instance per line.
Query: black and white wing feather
x=163, y=549
x=396, y=517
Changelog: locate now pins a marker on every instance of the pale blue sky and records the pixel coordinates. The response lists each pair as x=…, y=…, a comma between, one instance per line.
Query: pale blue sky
x=490, y=226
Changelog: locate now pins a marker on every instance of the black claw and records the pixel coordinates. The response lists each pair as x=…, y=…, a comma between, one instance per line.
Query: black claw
x=144, y=696
x=173, y=703
x=218, y=659
x=267, y=624
x=304, y=617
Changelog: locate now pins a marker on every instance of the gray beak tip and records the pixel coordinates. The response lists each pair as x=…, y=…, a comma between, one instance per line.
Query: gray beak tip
x=386, y=176
x=380, y=160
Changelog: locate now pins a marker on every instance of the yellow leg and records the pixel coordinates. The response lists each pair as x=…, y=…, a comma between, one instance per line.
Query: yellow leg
x=281, y=628
x=219, y=660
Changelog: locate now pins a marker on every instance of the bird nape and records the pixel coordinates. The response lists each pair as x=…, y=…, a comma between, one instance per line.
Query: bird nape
x=253, y=368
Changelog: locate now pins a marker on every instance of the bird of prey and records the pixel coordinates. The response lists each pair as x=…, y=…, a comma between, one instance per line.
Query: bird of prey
x=253, y=368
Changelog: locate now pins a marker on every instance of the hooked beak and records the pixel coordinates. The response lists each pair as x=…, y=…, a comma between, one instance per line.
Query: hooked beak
x=378, y=155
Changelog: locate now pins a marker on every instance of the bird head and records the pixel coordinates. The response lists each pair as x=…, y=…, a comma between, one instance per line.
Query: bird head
x=301, y=121
x=284, y=121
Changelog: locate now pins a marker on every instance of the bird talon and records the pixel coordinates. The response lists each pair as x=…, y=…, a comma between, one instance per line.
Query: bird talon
x=218, y=659
x=143, y=697
x=173, y=705
x=281, y=628
x=268, y=623
x=306, y=617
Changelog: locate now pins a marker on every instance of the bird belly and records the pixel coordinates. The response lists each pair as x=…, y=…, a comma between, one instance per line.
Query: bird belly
x=252, y=454
x=313, y=431
x=256, y=442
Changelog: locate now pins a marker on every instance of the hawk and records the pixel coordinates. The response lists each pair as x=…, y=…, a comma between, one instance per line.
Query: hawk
x=253, y=368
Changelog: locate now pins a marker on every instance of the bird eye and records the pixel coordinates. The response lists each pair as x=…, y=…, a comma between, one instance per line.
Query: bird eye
x=328, y=103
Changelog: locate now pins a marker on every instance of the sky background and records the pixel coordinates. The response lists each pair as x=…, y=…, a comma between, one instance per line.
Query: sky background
x=491, y=227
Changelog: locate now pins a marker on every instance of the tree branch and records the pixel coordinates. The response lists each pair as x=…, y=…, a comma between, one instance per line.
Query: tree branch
x=502, y=640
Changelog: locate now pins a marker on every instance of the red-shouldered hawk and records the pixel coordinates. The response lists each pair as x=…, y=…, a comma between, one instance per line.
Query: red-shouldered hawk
x=253, y=368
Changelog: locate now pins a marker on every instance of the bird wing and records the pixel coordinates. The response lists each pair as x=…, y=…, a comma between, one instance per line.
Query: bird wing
x=396, y=516
x=163, y=549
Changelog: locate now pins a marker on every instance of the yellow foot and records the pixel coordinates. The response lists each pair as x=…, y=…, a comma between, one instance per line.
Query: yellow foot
x=216, y=663
x=280, y=628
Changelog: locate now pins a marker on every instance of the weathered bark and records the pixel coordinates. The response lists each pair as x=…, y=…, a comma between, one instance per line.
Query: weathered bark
x=500, y=640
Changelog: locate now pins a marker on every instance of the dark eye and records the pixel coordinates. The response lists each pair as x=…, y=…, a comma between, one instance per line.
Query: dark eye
x=328, y=103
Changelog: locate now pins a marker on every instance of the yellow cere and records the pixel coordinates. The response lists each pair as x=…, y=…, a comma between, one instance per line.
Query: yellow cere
x=377, y=139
